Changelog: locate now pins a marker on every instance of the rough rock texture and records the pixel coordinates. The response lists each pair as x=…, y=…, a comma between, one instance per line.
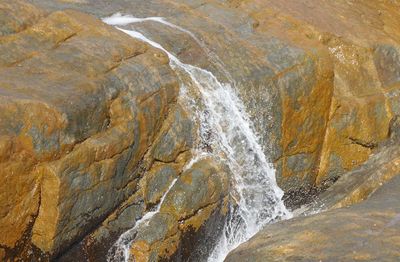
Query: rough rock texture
x=364, y=232
x=199, y=193
x=357, y=185
x=363, y=42
x=361, y=222
x=320, y=79
x=91, y=138
x=197, y=198
x=17, y=16
x=91, y=135
x=80, y=106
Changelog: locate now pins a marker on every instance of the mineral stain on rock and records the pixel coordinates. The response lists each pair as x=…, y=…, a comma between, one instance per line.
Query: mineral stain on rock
x=93, y=132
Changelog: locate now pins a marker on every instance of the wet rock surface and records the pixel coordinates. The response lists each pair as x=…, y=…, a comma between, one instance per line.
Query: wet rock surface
x=80, y=104
x=319, y=81
x=91, y=134
x=200, y=193
x=356, y=219
x=367, y=231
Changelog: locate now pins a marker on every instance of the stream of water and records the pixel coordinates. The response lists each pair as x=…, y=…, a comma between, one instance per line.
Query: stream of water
x=228, y=130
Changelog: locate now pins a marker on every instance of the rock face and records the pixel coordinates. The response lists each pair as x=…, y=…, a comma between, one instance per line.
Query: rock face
x=357, y=185
x=197, y=195
x=91, y=137
x=80, y=106
x=364, y=232
x=361, y=222
x=363, y=99
x=92, y=134
x=319, y=79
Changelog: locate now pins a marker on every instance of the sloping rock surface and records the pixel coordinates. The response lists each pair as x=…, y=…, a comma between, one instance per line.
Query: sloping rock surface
x=368, y=231
x=360, y=219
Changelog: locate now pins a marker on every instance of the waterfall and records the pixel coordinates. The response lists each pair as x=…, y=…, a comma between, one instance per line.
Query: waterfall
x=228, y=133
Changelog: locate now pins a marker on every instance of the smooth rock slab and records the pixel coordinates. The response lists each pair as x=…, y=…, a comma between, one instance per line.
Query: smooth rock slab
x=368, y=231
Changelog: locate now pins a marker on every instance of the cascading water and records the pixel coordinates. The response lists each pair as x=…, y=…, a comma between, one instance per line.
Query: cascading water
x=120, y=250
x=120, y=20
x=225, y=124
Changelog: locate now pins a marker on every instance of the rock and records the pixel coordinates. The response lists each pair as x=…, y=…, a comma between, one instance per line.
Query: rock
x=360, y=109
x=357, y=185
x=287, y=89
x=17, y=16
x=91, y=135
x=85, y=86
x=95, y=245
x=315, y=87
x=156, y=178
x=157, y=238
x=157, y=182
x=178, y=139
x=355, y=219
x=367, y=232
x=202, y=185
x=198, y=195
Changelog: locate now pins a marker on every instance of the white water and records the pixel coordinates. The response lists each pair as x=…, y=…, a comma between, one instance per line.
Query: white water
x=120, y=250
x=229, y=133
x=120, y=20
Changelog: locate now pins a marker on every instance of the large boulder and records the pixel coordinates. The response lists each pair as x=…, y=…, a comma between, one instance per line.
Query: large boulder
x=161, y=178
x=80, y=105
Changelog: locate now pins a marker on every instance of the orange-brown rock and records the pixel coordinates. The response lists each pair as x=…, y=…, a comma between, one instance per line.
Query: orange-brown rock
x=319, y=78
x=17, y=16
x=90, y=137
x=173, y=143
x=358, y=184
x=194, y=204
x=363, y=42
x=80, y=106
x=355, y=219
x=364, y=231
